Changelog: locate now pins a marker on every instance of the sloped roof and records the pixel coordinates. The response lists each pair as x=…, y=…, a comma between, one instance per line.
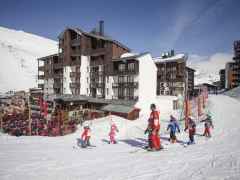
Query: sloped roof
x=71, y=97
x=135, y=56
x=46, y=57
x=79, y=31
x=120, y=108
x=95, y=29
x=175, y=58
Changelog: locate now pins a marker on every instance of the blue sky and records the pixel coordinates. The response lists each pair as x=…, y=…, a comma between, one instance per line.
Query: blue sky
x=201, y=28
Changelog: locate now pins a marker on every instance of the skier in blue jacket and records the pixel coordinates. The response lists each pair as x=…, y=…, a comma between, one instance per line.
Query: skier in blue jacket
x=173, y=125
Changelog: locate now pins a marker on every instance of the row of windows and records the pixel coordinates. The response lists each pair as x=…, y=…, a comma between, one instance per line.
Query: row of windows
x=129, y=66
x=168, y=69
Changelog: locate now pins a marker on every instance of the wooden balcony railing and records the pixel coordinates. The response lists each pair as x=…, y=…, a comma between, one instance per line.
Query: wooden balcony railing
x=160, y=72
x=58, y=75
x=125, y=85
x=176, y=88
x=125, y=72
x=40, y=85
x=97, y=62
x=58, y=65
x=41, y=68
x=57, y=85
x=98, y=73
x=98, y=51
x=75, y=52
x=176, y=80
x=72, y=74
x=74, y=85
x=161, y=80
x=41, y=77
x=175, y=72
x=97, y=85
x=75, y=63
x=93, y=95
x=75, y=42
x=135, y=98
x=101, y=96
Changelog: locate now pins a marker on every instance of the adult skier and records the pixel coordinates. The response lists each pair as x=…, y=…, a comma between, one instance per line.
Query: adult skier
x=173, y=125
x=192, y=129
x=154, y=122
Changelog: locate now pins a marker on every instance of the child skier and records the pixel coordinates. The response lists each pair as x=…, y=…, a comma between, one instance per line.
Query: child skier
x=192, y=128
x=87, y=134
x=112, y=132
x=149, y=130
x=208, y=124
x=173, y=125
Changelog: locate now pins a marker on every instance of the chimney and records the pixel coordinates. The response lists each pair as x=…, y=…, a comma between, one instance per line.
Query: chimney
x=101, y=28
x=172, y=52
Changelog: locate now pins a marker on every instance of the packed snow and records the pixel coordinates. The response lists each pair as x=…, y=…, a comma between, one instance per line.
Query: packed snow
x=55, y=158
x=19, y=52
x=234, y=93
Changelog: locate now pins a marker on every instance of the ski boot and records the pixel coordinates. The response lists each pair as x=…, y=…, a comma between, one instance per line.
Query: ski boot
x=115, y=142
x=209, y=136
x=175, y=141
x=192, y=143
x=170, y=139
x=189, y=142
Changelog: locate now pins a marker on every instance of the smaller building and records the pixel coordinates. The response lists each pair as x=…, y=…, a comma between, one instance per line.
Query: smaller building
x=222, y=78
x=229, y=75
x=190, y=77
x=127, y=112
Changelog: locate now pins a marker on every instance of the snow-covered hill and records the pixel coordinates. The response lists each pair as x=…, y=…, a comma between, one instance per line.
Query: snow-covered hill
x=202, y=77
x=18, y=58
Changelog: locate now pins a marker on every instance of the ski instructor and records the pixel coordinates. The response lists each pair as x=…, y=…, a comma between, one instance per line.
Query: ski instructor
x=154, y=122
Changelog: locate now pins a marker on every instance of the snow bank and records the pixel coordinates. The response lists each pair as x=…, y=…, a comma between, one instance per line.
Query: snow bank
x=234, y=93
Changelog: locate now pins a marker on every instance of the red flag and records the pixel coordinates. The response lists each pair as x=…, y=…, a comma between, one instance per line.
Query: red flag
x=45, y=108
x=40, y=104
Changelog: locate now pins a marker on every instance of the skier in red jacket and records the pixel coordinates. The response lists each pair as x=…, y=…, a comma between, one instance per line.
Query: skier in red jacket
x=154, y=122
x=87, y=134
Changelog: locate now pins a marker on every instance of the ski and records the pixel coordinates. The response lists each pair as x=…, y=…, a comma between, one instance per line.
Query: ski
x=87, y=146
x=148, y=150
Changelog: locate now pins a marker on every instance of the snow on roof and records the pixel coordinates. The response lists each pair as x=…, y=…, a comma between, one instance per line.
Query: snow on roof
x=128, y=56
x=178, y=57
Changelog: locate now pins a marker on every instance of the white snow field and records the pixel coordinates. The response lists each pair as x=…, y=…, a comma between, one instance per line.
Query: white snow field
x=19, y=52
x=55, y=158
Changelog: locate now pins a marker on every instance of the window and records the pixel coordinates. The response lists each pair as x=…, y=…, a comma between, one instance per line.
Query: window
x=107, y=79
x=87, y=69
x=162, y=92
x=167, y=92
x=121, y=67
x=104, y=68
x=64, y=90
x=107, y=43
x=64, y=80
x=162, y=84
x=162, y=68
x=107, y=92
x=46, y=80
x=65, y=48
x=130, y=92
x=50, y=61
x=159, y=69
x=108, y=55
x=130, y=79
x=47, y=71
x=87, y=90
x=174, y=68
x=121, y=79
x=46, y=90
x=120, y=92
x=107, y=67
x=87, y=80
x=173, y=76
x=50, y=71
x=104, y=80
x=65, y=69
x=131, y=66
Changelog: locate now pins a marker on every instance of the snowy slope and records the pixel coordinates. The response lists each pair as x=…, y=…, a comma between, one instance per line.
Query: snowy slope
x=18, y=58
x=54, y=157
x=203, y=77
x=234, y=93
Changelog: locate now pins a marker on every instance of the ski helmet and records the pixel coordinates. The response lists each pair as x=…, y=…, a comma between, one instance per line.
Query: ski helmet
x=112, y=123
x=209, y=115
x=191, y=118
x=86, y=126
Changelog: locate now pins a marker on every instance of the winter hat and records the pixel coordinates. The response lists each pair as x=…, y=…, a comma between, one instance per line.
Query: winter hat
x=172, y=116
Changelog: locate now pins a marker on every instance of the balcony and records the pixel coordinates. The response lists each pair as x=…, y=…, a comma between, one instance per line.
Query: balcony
x=75, y=74
x=95, y=52
x=160, y=87
x=57, y=85
x=41, y=68
x=135, y=98
x=75, y=42
x=75, y=63
x=176, y=72
x=161, y=80
x=160, y=72
x=41, y=77
x=61, y=45
x=58, y=65
x=125, y=72
x=60, y=55
x=235, y=58
x=236, y=80
x=176, y=88
x=97, y=62
x=236, y=75
x=74, y=85
x=129, y=85
x=93, y=95
x=40, y=85
x=236, y=69
x=98, y=73
x=75, y=52
x=97, y=85
x=101, y=96
x=58, y=75
x=176, y=80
